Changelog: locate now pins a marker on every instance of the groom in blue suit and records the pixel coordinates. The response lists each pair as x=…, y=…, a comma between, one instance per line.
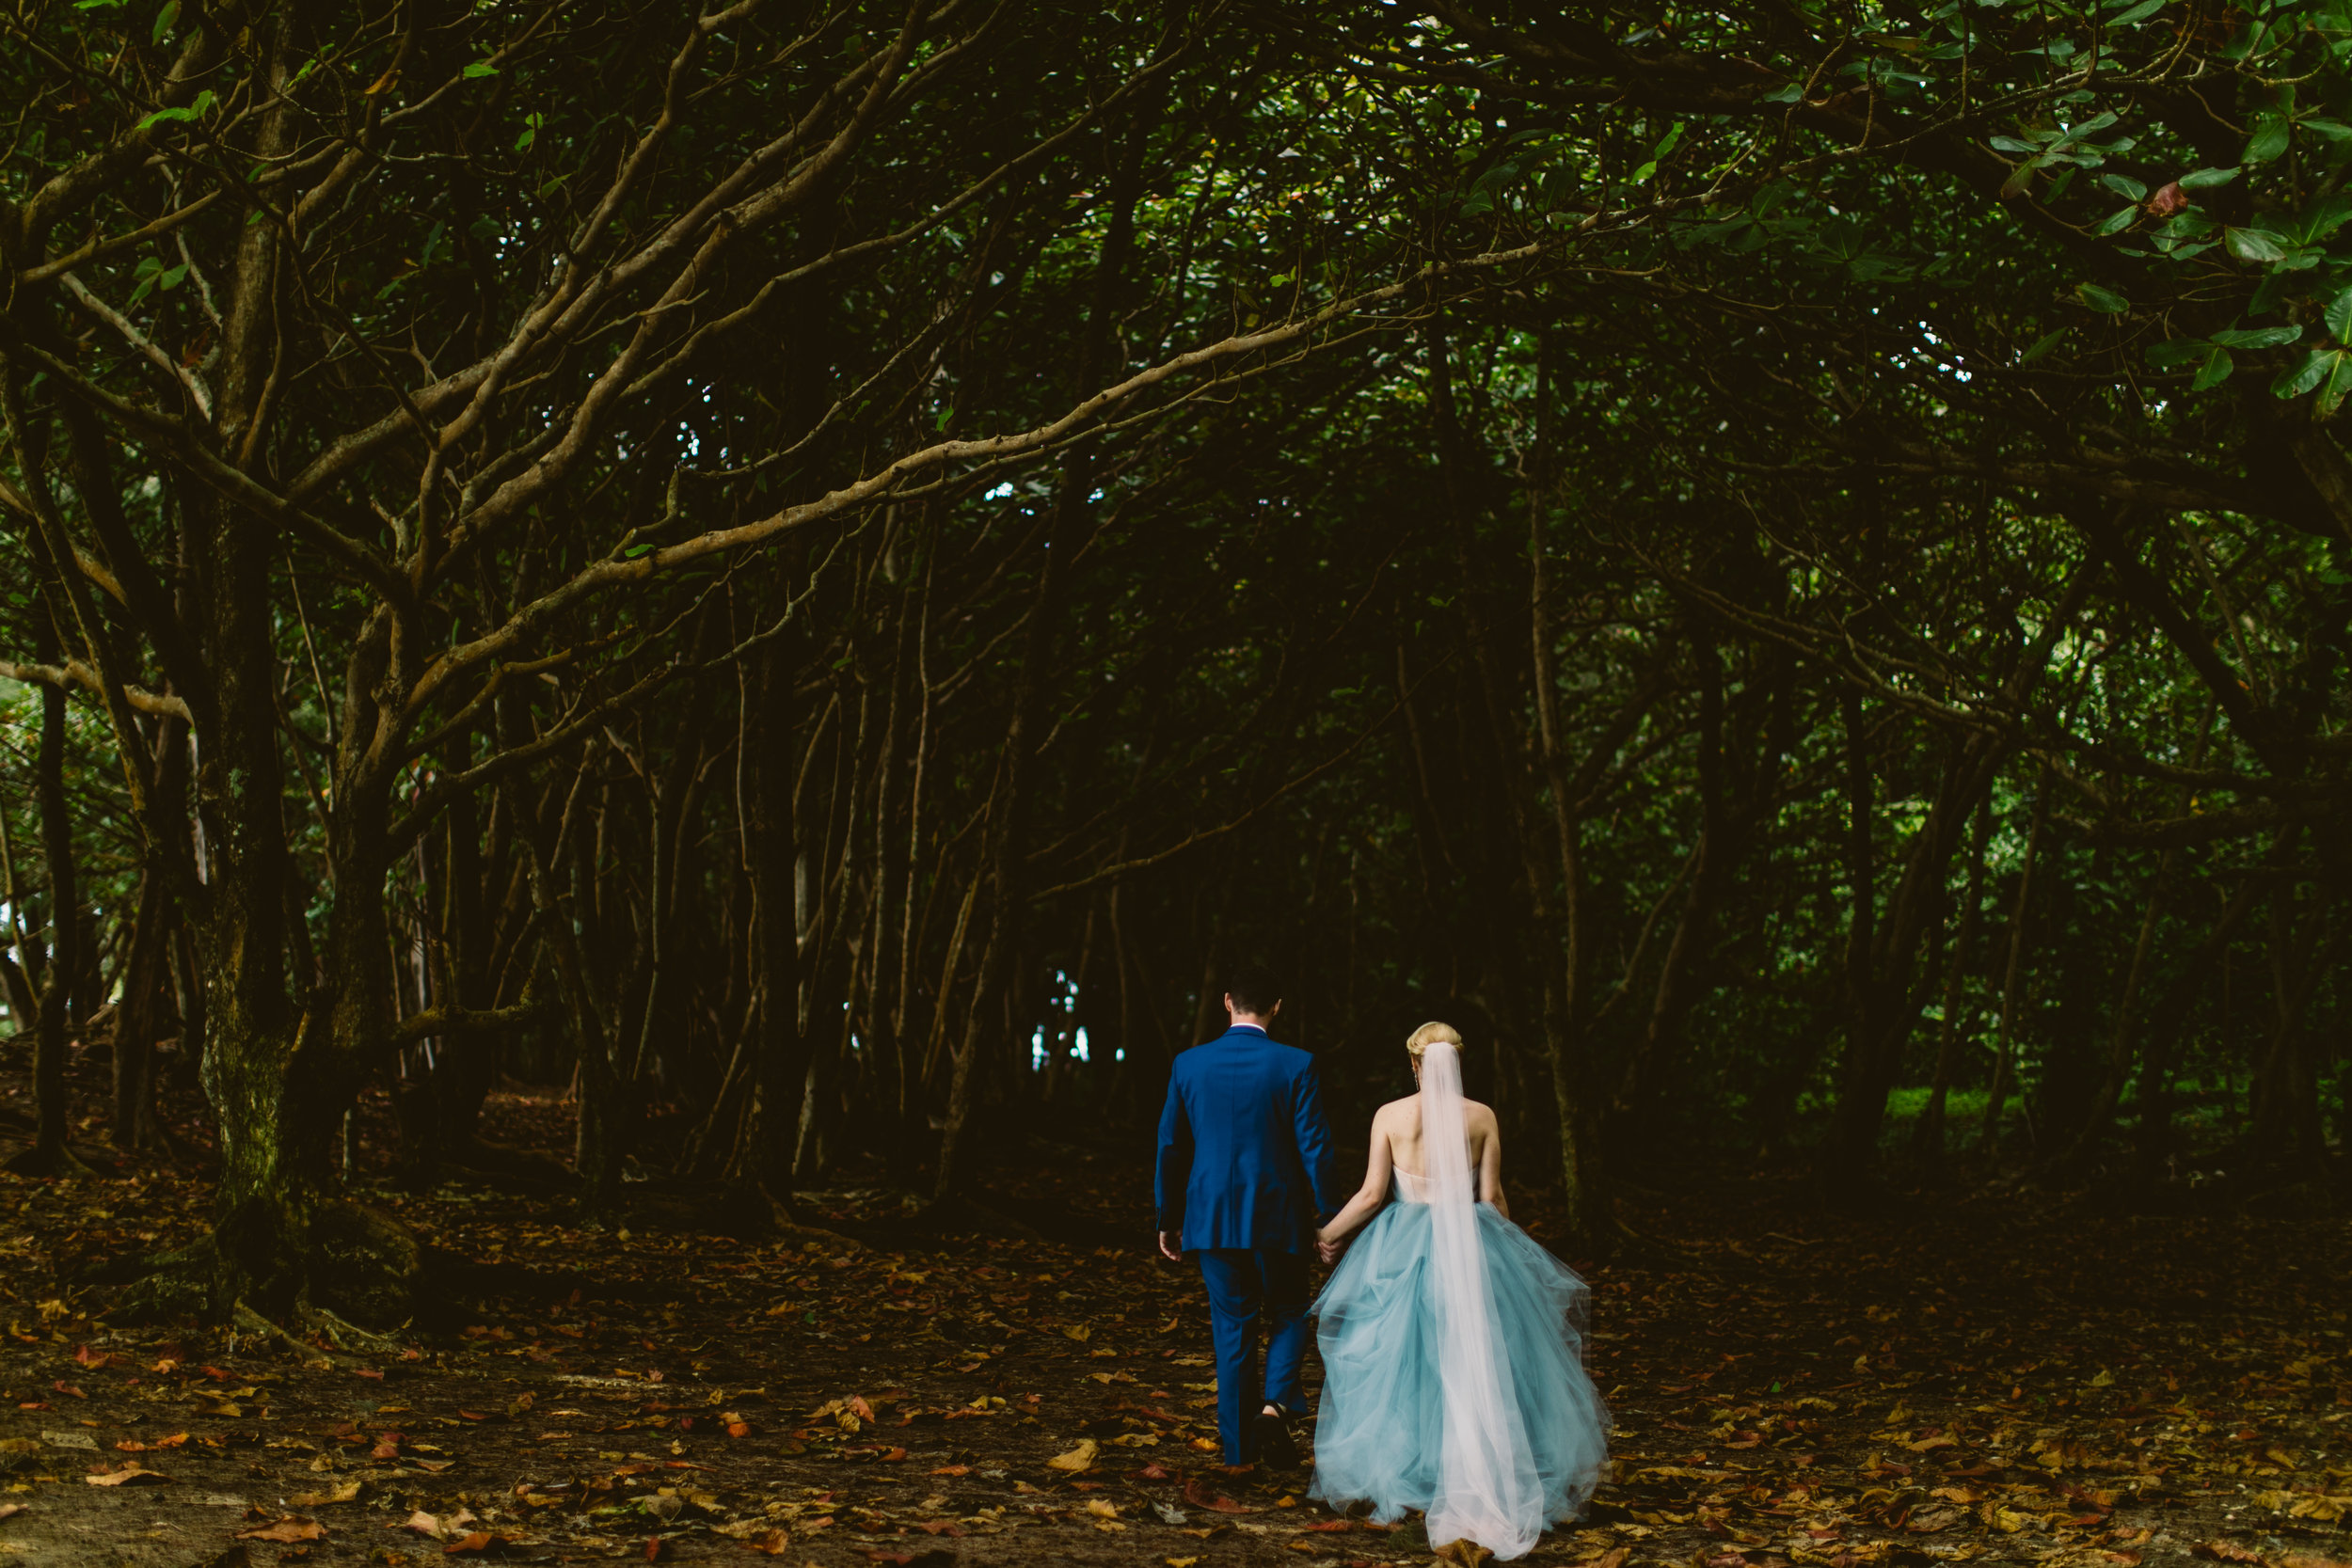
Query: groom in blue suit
x=1244, y=1177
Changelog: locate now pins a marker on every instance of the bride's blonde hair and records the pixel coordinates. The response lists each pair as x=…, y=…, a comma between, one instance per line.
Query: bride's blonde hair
x=1431, y=1034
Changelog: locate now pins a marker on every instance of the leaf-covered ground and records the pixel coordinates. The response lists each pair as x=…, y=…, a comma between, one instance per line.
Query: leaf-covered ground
x=2007, y=1379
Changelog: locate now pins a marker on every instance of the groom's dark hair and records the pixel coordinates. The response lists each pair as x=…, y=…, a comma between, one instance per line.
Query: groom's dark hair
x=1253, y=989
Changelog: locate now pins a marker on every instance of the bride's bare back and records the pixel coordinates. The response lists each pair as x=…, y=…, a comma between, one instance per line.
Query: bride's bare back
x=1396, y=1145
x=1398, y=1123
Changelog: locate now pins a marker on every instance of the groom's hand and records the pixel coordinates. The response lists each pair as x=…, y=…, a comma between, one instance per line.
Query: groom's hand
x=1172, y=1245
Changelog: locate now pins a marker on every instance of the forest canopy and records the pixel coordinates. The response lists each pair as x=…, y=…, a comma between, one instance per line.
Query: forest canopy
x=821, y=572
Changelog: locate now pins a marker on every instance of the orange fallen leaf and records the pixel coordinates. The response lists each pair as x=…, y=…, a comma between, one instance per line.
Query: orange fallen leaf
x=773, y=1544
x=473, y=1540
x=952, y=1470
x=288, y=1530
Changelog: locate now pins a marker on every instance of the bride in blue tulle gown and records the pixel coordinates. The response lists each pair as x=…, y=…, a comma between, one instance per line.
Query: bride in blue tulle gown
x=1453, y=1343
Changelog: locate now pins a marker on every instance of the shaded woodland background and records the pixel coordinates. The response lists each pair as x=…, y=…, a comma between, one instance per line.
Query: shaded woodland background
x=815, y=573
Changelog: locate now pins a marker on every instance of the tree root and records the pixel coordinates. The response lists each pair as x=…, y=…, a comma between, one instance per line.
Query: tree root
x=254, y=1326
x=352, y=1337
x=59, y=1161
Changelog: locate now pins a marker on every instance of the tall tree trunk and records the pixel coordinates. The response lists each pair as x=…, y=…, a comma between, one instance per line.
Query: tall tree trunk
x=1853, y=1134
x=2004, y=1035
x=49, y=1154
x=1654, y=1054
x=1952, y=1033
x=763, y=1157
x=136, y=1015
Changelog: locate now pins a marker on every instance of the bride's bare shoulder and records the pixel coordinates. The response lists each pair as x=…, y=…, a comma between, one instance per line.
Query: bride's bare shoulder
x=1392, y=1110
x=1478, y=1117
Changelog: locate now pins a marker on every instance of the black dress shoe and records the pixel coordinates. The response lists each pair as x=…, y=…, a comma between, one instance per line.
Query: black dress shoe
x=1277, y=1449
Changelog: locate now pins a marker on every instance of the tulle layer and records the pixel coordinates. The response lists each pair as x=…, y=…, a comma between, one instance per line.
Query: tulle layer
x=1381, y=1429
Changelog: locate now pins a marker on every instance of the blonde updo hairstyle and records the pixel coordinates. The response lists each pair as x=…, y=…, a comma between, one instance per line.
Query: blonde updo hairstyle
x=1431, y=1034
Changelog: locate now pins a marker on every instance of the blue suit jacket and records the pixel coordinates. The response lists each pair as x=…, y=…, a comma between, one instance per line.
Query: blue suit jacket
x=1245, y=1154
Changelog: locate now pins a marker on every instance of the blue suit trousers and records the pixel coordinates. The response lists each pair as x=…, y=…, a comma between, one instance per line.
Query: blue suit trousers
x=1246, y=1284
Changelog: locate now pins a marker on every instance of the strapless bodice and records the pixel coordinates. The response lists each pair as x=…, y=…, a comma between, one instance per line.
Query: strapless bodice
x=1409, y=1187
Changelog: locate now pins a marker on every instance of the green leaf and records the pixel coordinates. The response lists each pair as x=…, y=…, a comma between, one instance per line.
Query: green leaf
x=171, y=279
x=2041, y=345
x=2298, y=379
x=2340, y=316
x=2141, y=12
x=2257, y=337
x=531, y=131
x=2339, y=384
x=191, y=112
x=2214, y=372
x=165, y=20
x=2268, y=140
x=2107, y=301
x=634, y=551
x=2255, y=245
x=2201, y=178
x=480, y=68
x=2334, y=129
x=2173, y=353
x=2124, y=186
x=2119, y=221
x=2010, y=144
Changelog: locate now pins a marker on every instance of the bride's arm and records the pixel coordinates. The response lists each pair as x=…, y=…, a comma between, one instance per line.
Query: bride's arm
x=1368, y=1198
x=1491, y=1174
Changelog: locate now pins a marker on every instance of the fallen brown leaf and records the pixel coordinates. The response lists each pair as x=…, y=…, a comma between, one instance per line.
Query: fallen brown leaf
x=130, y=1475
x=1200, y=1497
x=1077, y=1459
x=288, y=1530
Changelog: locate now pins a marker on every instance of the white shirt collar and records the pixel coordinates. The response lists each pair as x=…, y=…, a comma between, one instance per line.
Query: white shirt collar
x=1253, y=1028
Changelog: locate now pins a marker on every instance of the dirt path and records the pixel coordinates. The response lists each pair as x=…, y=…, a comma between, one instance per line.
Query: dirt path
x=2009, y=1379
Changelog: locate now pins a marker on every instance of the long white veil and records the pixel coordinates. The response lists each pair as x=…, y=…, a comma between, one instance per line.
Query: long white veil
x=1487, y=1487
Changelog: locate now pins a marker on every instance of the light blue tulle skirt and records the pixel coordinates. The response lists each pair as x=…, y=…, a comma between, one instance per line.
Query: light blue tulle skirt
x=1378, y=1433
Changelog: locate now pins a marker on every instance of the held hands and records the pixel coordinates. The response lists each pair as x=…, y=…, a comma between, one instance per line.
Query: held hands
x=1329, y=1246
x=1172, y=1245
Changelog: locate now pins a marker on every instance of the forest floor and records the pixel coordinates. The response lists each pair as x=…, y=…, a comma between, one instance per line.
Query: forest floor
x=2003, y=1378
